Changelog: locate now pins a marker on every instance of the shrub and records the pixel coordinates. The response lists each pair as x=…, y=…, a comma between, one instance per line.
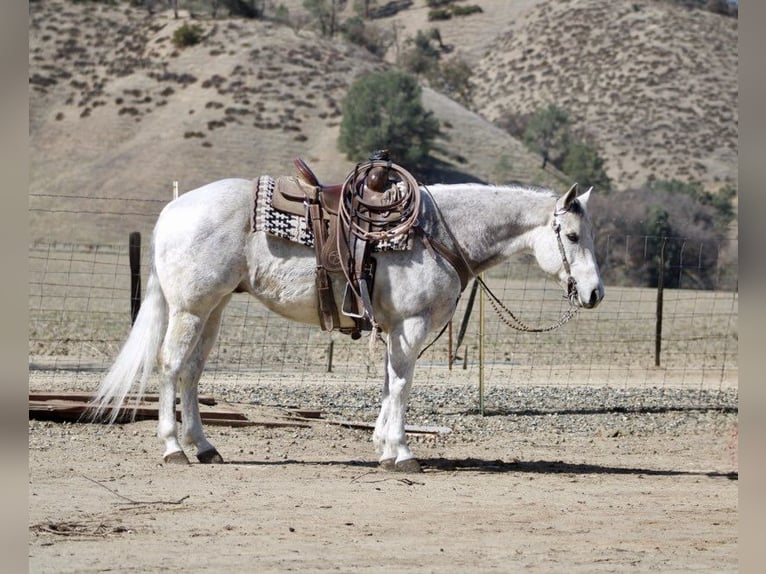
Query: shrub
x=659, y=220
x=721, y=202
x=422, y=58
x=367, y=36
x=439, y=14
x=453, y=78
x=584, y=165
x=548, y=133
x=458, y=10
x=187, y=35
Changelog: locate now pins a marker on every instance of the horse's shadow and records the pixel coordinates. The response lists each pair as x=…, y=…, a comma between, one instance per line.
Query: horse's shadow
x=478, y=465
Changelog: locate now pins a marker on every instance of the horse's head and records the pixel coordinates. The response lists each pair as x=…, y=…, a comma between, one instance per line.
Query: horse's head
x=565, y=248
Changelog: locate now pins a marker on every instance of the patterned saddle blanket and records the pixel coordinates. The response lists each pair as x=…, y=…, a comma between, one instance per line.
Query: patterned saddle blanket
x=288, y=225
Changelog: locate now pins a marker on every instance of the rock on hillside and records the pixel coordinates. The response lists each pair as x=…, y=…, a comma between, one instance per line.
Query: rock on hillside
x=654, y=84
x=118, y=113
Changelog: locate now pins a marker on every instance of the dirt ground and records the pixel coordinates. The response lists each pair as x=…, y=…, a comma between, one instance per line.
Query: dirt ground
x=313, y=499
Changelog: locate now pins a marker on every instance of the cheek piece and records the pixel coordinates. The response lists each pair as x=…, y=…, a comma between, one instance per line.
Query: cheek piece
x=571, y=293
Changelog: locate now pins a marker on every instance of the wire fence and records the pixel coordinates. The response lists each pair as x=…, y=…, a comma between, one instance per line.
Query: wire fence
x=80, y=313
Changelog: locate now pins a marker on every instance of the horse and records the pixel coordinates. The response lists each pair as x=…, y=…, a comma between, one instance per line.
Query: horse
x=204, y=249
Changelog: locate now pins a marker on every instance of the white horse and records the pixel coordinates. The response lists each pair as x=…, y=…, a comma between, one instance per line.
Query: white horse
x=204, y=250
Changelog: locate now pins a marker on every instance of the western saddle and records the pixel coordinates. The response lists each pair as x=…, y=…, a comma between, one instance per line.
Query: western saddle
x=376, y=206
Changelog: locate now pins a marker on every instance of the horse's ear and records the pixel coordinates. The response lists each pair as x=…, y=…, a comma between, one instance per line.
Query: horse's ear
x=565, y=201
x=583, y=199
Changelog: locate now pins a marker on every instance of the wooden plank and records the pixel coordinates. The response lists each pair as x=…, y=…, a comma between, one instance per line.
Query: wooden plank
x=316, y=416
x=305, y=413
x=417, y=429
x=87, y=397
x=71, y=406
x=263, y=423
x=74, y=410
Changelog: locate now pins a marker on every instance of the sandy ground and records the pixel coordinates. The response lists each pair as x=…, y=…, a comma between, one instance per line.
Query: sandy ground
x=313, y=499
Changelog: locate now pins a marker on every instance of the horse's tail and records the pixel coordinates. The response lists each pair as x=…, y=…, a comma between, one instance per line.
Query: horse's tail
x=137, y=358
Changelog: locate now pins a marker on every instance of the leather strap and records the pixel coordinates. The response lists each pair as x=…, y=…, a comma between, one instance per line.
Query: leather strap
x=459, y=264
x=328, y=310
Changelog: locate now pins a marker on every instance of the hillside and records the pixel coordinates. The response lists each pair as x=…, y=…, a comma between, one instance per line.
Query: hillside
x=653, y=84
x=117, y=113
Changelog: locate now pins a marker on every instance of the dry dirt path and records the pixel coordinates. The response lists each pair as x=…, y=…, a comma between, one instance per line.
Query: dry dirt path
x=660, y=497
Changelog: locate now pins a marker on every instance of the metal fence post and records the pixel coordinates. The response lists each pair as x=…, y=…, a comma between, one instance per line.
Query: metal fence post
x=660, y=286
x=134, y=255
x=481, y=349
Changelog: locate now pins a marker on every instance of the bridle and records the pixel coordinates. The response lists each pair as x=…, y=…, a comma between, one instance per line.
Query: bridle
x=503, y=312
x=571, y=281
x=507, y=316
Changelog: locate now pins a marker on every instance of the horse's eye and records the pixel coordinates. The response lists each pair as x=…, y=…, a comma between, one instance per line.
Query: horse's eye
x=573, y=237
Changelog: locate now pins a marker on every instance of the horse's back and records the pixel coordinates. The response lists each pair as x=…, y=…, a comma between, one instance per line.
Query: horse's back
x=200, y=238
x=219, y=196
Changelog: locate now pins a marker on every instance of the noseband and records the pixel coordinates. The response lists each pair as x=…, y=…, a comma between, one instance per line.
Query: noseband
x=571, y=281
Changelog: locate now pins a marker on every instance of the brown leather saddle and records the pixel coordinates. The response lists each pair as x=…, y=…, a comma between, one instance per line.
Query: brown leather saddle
x=378, y=202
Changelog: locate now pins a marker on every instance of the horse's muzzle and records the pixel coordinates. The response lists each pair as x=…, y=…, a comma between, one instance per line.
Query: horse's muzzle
x=596, y=295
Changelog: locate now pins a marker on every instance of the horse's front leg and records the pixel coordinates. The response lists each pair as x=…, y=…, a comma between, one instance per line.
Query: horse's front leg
x=404, y=344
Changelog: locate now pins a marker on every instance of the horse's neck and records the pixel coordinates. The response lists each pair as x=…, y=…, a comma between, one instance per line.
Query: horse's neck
x=492, y=223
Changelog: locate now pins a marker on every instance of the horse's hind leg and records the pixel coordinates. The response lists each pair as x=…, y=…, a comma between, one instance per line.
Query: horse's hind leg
x=193, y=433
x=184, y=329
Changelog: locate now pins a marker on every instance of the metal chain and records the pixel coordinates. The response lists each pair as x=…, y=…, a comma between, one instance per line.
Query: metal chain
x=500, y=307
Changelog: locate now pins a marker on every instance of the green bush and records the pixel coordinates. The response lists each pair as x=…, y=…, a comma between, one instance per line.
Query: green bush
x=722, y=202
x=453, y=78
x=439, y=14
x=583, y=164
x=548, y=133
x=666, y=222
x=187, y=35
x=458, y=10
x=422, y=59
x=371, y=38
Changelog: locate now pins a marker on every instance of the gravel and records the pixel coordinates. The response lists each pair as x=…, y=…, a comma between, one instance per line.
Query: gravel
x=562, y=410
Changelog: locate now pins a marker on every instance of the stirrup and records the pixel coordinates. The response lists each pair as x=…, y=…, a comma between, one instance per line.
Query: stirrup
x=349, y=308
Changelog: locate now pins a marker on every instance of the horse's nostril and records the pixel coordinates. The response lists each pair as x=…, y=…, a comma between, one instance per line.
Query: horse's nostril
x=593, y=297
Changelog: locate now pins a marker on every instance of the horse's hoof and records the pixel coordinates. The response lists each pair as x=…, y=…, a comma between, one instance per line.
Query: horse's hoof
x=210, y=456
x=177, y=457
x=388, y=464
x=411, y=466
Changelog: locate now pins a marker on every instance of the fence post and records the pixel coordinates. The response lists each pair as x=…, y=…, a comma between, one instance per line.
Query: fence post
x=481, y=350
x=330, y=349
x=134, y=255
x=660, y=286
